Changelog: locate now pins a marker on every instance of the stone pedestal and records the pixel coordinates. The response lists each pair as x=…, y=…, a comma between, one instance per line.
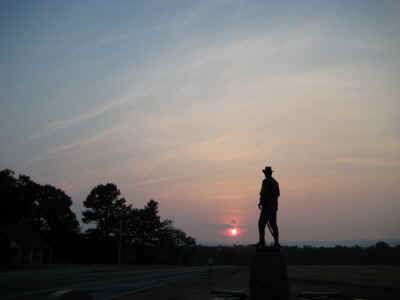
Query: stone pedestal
x=268, y=276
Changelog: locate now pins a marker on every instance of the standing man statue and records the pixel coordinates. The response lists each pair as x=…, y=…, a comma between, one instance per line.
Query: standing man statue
x=269, y=206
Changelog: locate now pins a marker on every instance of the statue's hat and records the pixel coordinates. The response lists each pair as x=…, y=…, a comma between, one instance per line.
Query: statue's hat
x=267, y=169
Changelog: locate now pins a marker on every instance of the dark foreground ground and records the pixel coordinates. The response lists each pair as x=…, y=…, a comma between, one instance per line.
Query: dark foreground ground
x=193, y=283
x=355, y=282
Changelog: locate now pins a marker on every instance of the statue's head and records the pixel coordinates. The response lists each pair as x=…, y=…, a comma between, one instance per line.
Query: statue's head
x=267, y=171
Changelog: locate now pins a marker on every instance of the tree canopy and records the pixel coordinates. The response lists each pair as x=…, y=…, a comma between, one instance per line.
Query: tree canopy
x=115, y=227
x=45, y=207
x=105, y=209
x=112, y=217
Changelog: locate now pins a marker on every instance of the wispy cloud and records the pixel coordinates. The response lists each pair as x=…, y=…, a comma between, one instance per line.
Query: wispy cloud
x=88, y=115
x=80, y=143
x=368, y=162
x=63, y=124
x=153, y=181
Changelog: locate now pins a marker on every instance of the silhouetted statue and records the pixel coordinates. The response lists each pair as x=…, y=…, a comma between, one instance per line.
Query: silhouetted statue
x=269, y=206
x=268, y=271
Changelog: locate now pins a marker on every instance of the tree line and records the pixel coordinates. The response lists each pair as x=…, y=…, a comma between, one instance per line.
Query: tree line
x=117, y=232
x=379, y=254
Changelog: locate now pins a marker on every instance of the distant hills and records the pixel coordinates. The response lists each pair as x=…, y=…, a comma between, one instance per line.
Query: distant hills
x=347, y=243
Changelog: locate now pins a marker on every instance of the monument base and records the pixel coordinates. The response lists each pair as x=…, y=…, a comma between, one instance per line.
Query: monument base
x=268, y=276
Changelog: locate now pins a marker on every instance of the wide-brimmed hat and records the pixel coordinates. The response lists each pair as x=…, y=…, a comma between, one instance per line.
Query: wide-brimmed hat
x=267, y=169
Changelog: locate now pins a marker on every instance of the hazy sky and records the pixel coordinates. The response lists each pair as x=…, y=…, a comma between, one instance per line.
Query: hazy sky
x=186, y=101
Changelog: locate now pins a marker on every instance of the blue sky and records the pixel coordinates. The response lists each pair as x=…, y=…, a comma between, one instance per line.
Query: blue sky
x=186, y=101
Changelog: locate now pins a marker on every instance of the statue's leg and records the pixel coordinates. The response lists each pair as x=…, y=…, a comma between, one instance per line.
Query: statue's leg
x=262, y=222
x=274, y=227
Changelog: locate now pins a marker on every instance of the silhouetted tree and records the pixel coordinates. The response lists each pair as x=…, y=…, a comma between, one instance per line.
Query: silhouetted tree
x=118, y=227
x=153, y=239
x=9, y=208
x=180, y=238
x=46, y=208
x=19, y=198
x=105, y=208
x=147, y=224
x=53, y=211
x=382, y=245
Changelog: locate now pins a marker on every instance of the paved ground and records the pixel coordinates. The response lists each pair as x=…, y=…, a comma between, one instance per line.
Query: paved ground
x=235, y=279
x=103, y=282
x=193, y=283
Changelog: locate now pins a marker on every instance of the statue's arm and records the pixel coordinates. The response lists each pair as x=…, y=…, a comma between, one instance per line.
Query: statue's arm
x=262, y=193
x=263, y=188
x=278, y=190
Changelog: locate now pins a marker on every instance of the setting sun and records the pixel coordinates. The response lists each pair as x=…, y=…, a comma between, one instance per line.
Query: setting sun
x=234, y=231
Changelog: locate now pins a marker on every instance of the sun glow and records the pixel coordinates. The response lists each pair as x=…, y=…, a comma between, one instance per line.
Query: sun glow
x=234, y=231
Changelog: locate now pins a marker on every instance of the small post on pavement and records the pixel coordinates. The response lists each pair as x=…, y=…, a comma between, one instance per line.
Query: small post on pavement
x=120, y=240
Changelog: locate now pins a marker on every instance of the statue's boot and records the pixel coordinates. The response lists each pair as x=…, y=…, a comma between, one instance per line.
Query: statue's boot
x=277, y=246
x=260, y=244
x=276, y=238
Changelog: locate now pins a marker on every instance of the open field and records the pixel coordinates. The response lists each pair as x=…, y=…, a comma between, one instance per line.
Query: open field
x=363, y=276
x=194, y=283
x=368, y=282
